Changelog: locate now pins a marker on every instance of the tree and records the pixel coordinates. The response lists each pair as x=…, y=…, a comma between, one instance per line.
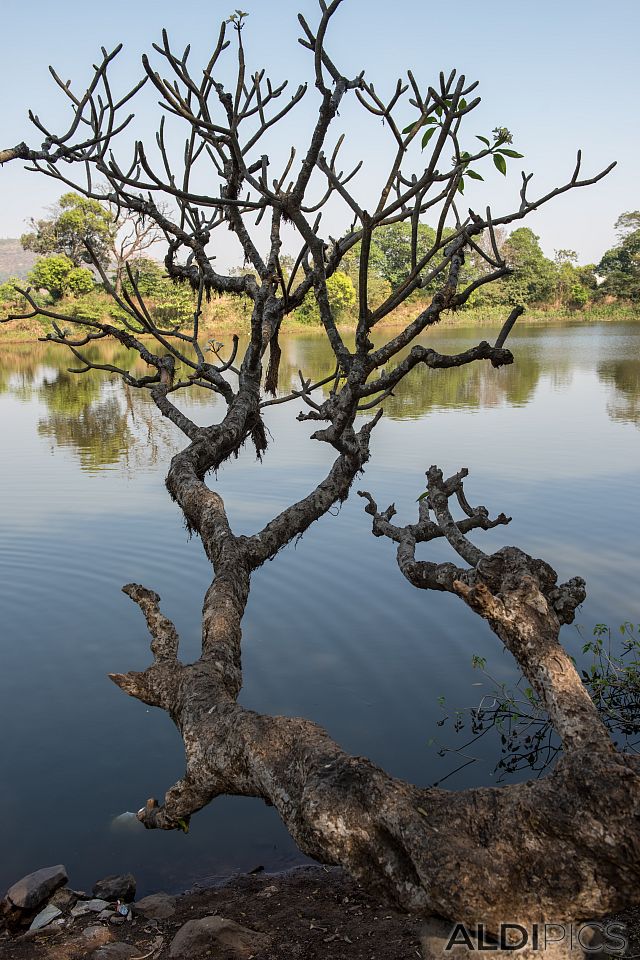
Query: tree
x=620, y=266
x=133, y=235
x=75, y=222
x=574, y=285
x=9, y=295
x=151, y=281
x=566, y=845
x=57, y=275
x=533, y=277
x=115, y=235
x=341, y=294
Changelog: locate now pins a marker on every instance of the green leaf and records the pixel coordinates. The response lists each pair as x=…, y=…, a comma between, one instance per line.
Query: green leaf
x=423, y=496
x=500, y=163
x=460, y=187
x=182, y=823
x=411, y=126
x=427, y=136
x=438, y=111
x=484, y=139
x=510, y=153
x=462, y=103
x=474, y=175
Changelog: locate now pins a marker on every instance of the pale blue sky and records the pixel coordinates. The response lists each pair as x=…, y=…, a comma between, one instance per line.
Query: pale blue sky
x=560, y=75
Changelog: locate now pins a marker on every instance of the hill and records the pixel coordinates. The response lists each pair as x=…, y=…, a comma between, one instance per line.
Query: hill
x=14, y=261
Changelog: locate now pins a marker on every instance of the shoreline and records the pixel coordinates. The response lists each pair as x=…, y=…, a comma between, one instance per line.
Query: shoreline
x=33, y=330
x=307, y=912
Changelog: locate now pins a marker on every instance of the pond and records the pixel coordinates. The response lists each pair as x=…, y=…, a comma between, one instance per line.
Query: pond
x=332, y=630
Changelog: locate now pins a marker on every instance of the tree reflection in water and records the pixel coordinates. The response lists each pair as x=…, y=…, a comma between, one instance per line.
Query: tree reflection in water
x=623, y=377
x=105, y=423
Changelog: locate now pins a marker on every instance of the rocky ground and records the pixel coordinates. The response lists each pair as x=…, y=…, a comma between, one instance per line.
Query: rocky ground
x=301, y=915
x=307, y=913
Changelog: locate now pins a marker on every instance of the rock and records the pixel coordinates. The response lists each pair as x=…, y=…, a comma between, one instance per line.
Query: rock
x=116, y=919
x=197, y=937
x=65, y=898
x=157, y=906
x=45, y=916
x=116, y=951
x=116, y=888
x=89, y=906
x=32, y=891
x=97, y=935
x=267, y=892
x=106, y=915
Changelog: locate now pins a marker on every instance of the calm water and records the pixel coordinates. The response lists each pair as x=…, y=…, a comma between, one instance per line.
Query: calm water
x=332, y=630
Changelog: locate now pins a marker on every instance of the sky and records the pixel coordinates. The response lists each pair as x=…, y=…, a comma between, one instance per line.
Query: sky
x=560, y=75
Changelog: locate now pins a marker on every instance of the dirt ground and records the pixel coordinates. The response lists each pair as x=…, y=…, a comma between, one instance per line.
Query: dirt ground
x=307, y=914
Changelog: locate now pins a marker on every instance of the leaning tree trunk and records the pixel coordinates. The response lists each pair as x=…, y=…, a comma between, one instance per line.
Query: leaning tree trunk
x=565, y=846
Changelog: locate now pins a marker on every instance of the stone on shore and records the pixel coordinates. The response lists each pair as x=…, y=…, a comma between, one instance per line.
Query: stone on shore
x=45, y=916
x=66, y=898
x=200, y=937
x=96, y=935
x=157, y=906
x=31, y=891
x=116, y=888
x=89, y=906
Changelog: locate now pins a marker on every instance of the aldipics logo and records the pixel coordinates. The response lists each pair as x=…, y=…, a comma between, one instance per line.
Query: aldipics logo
x=594, y=937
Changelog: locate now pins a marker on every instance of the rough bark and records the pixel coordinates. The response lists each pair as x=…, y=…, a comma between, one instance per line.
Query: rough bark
x=566, y=846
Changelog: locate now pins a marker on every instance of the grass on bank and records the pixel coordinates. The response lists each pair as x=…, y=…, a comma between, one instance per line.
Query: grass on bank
x=228, y=313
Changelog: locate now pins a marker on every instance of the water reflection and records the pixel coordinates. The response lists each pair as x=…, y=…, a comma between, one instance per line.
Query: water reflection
x=105, y=422
x=623, y=376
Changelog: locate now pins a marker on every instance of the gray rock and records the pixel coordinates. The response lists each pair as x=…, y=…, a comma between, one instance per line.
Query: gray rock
x=157, y=906
x=198, y=937
x=45, y=916
x=89, y=906
x=32, y=891
x=116, y=888
x=116, y=951
x=106, y=915
x=117, y=919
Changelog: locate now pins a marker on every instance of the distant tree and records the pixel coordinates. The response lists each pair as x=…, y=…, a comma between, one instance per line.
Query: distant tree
x=57, y=275
x=74, y=223
x=533, y=277
x=131, y=237
x=8, y=292
x=342, y=298
x=628, y=223
x=151, y=281
x=574, y=285
x=620, y=266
